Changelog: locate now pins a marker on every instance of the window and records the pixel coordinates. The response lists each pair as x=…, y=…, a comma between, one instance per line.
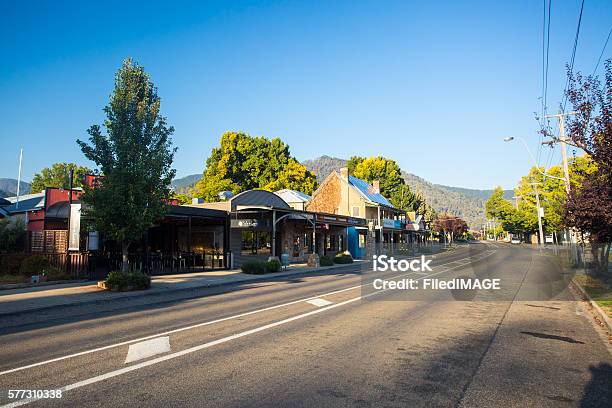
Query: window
x=340, y=242
x=356, y=211
x=330, y=242
x=362, y=240
x=255, y=242
x=307, y=243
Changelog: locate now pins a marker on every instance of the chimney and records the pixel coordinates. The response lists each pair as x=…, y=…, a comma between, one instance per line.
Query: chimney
x=344, y=173
x=376, y=186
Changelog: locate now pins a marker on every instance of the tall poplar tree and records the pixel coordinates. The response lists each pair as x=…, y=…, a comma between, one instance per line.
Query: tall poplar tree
x=134, y=158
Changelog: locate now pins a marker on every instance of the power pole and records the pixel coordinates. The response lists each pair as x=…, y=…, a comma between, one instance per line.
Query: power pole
x=561, y=118
x=539, y=210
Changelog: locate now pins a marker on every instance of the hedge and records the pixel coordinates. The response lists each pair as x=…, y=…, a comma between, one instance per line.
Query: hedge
x=125, y=281
x=343, y=258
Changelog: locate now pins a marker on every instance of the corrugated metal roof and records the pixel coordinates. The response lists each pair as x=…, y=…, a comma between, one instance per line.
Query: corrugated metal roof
x=27, y=202
x=293, y=196
x=366, y=190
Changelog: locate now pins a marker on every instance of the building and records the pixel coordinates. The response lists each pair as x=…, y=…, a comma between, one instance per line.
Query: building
x=296, y=199
x=343, y=194
x=262, y=225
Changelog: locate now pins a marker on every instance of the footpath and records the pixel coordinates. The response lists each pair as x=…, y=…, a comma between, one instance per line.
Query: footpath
x=40, y=298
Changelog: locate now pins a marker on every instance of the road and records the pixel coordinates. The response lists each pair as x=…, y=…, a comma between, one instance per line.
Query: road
x=325, y=340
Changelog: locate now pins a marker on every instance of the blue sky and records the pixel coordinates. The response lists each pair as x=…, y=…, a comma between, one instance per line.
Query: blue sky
x=435, y=86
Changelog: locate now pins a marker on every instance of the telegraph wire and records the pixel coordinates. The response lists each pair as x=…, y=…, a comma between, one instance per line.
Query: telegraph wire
x=571, y=69
x=602, y=52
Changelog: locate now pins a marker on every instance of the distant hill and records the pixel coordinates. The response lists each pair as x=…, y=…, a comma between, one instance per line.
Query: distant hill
x=185, y=183
x=462, y=202
x=8, y=187
x=480, y=194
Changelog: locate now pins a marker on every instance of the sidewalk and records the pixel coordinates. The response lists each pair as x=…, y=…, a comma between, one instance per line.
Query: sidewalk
x=24, y=300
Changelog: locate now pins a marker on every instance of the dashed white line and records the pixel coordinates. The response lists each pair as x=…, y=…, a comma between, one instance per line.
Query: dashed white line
x=147, y=348
x=318, y=302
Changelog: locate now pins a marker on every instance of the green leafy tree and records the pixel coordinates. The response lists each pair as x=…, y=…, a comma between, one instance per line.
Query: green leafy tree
x=135, y=158
x=243, y=162
x=58, y=175
x=384, y=170
x=404, y=199
x=353, y=162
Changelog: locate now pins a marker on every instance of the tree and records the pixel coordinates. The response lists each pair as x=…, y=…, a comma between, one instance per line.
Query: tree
x=497, y=207
x=243, y=162
x=384, y=170
x=353, y=162
x=134, y=157
x=58, y=175
x=404, y=199
x=453, y=227
x=589, y=206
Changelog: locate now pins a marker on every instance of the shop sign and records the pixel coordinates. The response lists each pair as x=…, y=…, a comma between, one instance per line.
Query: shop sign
x=387, y=223
x=74, y=235
x=247, y=223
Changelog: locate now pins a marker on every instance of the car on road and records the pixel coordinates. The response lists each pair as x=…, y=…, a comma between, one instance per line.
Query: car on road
x=515, y=241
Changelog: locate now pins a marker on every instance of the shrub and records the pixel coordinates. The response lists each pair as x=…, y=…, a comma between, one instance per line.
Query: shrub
x=11, y=263
x=273, y=265
x=343, y=258
x=326, y=261
x=54, y=273
x=130, y=280
x=34, y=265
x=254, y=267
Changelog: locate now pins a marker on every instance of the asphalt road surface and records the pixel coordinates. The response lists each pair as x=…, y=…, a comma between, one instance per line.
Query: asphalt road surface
x=325, y=341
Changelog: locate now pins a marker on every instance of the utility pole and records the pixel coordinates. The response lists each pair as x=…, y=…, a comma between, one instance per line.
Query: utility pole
x=561, y=118
x=19, y=178
x=539, y=210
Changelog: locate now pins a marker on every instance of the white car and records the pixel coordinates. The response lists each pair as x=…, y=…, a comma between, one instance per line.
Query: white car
x=515, y=241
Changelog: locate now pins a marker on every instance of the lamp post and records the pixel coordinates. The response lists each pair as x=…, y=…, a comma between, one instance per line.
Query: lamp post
x=511, y=138
x=538, y=208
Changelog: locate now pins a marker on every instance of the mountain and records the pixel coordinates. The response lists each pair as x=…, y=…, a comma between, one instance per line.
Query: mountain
x=480, y=194
x=8, y=187
x=462, y=202
x=185, y=183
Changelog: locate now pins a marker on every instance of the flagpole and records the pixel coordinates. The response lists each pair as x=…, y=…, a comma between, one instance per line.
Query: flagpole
x=19, y=177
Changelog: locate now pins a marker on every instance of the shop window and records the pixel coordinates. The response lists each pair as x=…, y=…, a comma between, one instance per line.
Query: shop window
x=341, y=243
x=330, y=242
x=307, y=243
x=362, y=240
x=256, y=242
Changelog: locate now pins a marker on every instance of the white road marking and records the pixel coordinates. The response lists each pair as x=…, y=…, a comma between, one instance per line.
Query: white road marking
x=147, y=348
x=195, y=326
x=318, y=302
x=167, y=357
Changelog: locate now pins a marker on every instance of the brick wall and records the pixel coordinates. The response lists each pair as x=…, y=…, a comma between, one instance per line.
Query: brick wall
x=328, y=198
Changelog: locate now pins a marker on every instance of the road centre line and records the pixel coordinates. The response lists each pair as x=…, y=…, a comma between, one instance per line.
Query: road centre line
x=144, y=364
x=195, y=326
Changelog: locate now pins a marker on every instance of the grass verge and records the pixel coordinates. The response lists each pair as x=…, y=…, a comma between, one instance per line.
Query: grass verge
x=598, y=290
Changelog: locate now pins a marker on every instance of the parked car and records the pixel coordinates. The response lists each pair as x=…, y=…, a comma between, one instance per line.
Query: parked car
x=515, y=241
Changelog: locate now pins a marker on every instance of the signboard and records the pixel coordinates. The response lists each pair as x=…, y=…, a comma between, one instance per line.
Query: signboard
x=387, y=223
x=93, y=240
x=248, y=223
x=74, y=235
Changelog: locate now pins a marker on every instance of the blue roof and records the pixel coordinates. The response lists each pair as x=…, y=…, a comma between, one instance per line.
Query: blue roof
x=367, y=191
x=27, y=202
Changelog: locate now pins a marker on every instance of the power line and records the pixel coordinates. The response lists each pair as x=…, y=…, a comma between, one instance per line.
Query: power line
x=545, y=54
x=602, y=52
x=571, y=70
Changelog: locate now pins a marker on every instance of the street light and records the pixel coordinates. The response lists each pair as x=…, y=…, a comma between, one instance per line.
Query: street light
x=511, y=138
